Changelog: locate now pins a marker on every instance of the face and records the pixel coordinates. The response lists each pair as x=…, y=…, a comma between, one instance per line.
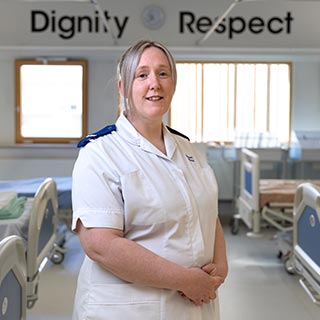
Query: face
x=152, y=87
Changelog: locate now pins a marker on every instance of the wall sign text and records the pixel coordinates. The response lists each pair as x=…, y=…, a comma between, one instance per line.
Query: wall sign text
x=66, y=26
x=233, y=26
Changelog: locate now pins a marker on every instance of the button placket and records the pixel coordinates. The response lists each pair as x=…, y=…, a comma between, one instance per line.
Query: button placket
x=194, y=226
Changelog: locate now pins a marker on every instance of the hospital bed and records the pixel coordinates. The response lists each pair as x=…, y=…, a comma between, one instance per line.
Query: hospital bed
x=37, y=226
x=13, y=281
x=264, y=201
x=306, y=238
x=28, y=188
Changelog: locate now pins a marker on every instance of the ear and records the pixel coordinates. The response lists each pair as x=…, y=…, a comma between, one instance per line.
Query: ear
x=120, y=87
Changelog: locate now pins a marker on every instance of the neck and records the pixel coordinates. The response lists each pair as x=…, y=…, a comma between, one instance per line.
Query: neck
x=151, y=130
x=154, y=135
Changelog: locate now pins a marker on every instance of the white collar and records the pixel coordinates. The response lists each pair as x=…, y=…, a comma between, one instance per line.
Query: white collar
x=128, y=132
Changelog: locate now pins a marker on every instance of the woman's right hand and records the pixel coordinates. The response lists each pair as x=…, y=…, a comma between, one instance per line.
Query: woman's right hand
x=215, y=270
x=200, y=287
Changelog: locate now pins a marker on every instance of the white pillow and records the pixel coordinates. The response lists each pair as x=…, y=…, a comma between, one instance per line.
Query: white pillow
x=6, y=197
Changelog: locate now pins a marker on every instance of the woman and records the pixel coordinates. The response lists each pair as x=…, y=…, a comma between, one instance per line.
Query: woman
x=145, y=208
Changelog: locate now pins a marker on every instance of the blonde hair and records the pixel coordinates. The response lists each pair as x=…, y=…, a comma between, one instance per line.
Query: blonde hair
x=128, y=65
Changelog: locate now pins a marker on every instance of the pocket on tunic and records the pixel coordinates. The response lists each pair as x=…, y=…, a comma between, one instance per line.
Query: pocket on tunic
x=123, y=301
x=141, y=200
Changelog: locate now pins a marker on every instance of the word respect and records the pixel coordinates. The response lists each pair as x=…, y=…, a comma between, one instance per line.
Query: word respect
x=232, y=26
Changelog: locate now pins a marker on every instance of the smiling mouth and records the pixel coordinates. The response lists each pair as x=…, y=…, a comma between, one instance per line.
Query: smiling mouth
x=154, y=98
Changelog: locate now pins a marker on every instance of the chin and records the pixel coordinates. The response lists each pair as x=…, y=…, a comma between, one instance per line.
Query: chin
x=157, y=115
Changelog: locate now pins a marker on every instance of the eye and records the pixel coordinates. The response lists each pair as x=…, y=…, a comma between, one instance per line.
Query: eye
x=141, y=75
x=164, y=74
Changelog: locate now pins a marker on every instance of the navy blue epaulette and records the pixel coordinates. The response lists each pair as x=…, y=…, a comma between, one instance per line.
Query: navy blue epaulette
x=177, y=133
x=102, y=132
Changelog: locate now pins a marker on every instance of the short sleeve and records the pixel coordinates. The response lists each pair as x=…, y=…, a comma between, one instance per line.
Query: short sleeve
x=96, y=191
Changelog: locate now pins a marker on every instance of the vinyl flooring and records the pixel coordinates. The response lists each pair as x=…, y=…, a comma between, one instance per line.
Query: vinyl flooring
x=257, y=288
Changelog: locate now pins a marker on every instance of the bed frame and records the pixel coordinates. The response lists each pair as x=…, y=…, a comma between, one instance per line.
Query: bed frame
x=268, y=201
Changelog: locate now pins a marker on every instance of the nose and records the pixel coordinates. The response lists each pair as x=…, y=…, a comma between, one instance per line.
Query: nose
x=154, y=82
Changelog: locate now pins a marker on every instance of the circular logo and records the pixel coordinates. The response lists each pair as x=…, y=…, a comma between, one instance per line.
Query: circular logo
x=4, y=306
x=312, y=221
x=153, y=17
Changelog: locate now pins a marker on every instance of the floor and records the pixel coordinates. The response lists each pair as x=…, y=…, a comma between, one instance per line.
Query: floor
x=258, y=286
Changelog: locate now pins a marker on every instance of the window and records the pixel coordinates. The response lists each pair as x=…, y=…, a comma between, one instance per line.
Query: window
x=222, y=101
x=50, y=101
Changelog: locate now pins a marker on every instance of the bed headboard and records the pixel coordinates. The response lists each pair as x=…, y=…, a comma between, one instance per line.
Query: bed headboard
x=42, y=233
x=307, y=222
x=13, y=280
x=249, y=177
x=306, y=237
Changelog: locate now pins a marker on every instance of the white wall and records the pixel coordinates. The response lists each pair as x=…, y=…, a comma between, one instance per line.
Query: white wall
x=301, y=46
x=35, y=161
x=306, y=96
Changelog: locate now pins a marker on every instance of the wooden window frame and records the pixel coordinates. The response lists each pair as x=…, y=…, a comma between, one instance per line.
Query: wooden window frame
x=18, y=112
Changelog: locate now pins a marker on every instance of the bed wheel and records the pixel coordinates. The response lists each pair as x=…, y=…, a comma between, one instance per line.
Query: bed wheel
x=31, y=303
x=234, y=224
x=57, y=257
x=289, y=265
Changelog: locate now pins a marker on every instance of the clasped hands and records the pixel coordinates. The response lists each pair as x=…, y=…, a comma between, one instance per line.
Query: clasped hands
x=203, y=284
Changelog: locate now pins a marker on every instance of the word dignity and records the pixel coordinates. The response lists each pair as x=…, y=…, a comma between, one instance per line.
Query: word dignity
x=67, y=26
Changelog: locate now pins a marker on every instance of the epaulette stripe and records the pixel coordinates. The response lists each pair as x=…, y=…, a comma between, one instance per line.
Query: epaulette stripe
x=177, y=133
x=102, y=132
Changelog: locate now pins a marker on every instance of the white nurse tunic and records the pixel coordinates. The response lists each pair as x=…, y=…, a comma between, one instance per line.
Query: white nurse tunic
x=166, y=203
